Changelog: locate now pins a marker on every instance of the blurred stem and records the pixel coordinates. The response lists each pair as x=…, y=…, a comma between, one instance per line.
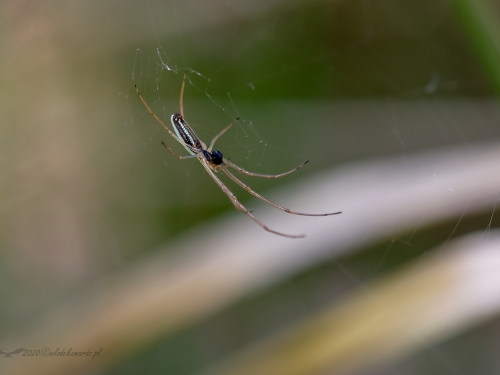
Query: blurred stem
x=423, y=303
x=481, y=23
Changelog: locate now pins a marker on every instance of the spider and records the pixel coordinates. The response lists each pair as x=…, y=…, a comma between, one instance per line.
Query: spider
x=214, y=161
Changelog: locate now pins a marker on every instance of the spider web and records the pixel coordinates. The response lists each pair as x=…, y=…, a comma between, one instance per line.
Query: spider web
x=160, y=79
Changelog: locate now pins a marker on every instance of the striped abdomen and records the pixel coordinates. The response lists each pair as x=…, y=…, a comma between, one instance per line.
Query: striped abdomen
x=184, y=132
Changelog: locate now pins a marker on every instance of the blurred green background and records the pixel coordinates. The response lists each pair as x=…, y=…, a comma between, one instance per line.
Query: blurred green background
x=88, y=192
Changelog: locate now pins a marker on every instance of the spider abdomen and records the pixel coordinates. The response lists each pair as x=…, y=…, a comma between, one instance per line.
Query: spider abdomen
x=184, y=132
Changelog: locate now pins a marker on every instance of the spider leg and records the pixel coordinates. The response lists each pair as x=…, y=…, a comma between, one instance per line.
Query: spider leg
x=218, y=135
x=240, y=207
x=255, y=194
x=181, y=100
x=229, y=163
x=157, y=118
x=178, y=156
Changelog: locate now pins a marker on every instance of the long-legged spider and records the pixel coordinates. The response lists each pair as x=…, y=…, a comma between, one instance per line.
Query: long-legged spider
x=214, y=162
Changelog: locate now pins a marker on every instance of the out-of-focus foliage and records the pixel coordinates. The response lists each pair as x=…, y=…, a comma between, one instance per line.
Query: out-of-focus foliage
x=90, y=199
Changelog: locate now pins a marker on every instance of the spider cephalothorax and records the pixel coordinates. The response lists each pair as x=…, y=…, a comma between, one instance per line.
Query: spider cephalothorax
x=216, y=157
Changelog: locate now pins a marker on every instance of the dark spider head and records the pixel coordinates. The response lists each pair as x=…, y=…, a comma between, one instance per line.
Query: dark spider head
x=216, y=157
